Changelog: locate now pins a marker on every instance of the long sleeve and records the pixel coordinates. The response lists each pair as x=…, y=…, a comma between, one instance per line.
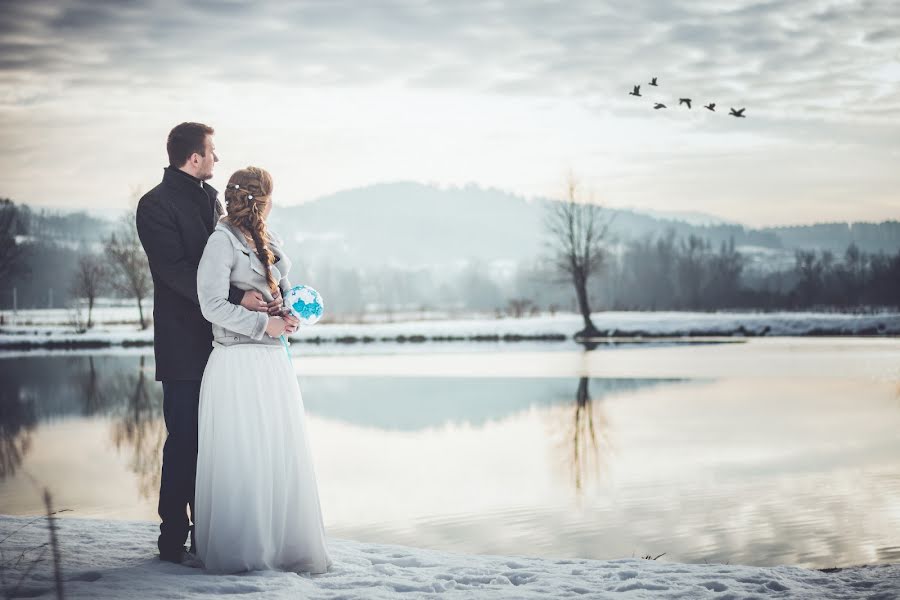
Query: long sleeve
x=212, y=284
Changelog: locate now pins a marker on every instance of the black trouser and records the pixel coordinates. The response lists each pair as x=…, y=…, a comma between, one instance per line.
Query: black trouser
x=179, y=467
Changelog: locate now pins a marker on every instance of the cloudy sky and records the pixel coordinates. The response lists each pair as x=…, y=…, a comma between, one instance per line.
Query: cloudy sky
x=335, y=94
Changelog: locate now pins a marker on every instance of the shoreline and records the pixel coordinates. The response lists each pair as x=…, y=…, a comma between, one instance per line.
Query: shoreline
x=103, y=559
x=614, y=327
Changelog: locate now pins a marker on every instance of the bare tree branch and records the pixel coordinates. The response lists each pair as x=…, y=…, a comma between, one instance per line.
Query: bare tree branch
x=577, y=232
x=89, y=281
x=131, y=270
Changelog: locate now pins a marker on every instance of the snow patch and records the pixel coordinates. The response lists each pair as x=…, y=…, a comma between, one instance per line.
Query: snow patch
x=122, y=565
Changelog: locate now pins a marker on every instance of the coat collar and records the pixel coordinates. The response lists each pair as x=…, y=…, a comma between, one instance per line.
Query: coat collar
x=240, y=242
x=182, y=181
x=282, y=263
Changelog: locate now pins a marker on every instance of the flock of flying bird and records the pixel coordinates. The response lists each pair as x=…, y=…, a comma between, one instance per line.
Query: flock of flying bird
x=711, y=106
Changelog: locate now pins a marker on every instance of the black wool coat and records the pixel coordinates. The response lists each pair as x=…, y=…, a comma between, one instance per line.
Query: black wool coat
x=174, y=220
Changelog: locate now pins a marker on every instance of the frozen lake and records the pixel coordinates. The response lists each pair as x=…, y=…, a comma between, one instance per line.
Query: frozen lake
x=766, y=451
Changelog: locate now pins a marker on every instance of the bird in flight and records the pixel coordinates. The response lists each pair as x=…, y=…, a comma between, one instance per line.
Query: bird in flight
x=659, y=105
x=653, y=82
x=684, y=101
x=711, y=106
x=738, y=113
x=636, y=92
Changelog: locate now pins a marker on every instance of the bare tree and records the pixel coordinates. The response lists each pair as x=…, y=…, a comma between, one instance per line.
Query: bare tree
x=516, y=307
x=131, y=272
x=578, y=232
x=88, y=282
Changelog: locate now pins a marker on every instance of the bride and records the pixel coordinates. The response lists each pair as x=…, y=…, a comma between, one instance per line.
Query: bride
x=257, y=503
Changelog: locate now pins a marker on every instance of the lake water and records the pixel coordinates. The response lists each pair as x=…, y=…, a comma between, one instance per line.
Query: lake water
x=769, y=451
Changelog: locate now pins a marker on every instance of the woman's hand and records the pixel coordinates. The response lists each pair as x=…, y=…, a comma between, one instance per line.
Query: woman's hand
x=274, y=307
x=276, y=326
x=253, y=300
x=292, y=323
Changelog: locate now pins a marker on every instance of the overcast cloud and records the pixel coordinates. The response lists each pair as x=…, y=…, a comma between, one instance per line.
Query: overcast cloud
x=337, y=94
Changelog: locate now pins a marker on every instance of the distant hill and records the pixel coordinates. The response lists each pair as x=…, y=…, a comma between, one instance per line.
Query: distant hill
x=689, y=217
x=404, y=246
x=414, y=224
x=418, y=225
x=63, y=227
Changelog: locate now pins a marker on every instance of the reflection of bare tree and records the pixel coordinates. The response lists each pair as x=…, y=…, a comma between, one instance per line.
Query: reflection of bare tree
x=589, y=435
x=582, y=437
x=17, y=422
x=91, y=396
x=142, y=429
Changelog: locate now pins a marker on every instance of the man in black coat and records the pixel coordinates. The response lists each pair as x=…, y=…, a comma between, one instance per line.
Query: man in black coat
x=174, y=221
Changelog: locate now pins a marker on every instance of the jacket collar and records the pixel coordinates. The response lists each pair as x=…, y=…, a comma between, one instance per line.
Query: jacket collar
x=183, y=181
x=282, y=262
x=240, y=242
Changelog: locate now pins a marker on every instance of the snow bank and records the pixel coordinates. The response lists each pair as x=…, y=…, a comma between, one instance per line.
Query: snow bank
x=549, y=328
x=117, y=560
x=61, y=337
x=622, y=324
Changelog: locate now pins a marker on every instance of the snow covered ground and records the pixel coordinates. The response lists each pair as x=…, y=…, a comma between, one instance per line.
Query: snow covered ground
x=104, y=313
x=116, y=560
x=557, y=327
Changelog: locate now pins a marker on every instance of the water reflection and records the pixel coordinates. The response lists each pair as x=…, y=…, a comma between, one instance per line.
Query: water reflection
x=17, y=421
x=764, y=469
x=141, y=430
x=116, y=390
x=586, y=442
x=58, y=389
x=582, y=435
x=590, y=436
x=92, y=397
x=416, y=403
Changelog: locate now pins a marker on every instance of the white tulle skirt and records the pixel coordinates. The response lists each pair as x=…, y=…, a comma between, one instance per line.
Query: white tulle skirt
x=257, y=503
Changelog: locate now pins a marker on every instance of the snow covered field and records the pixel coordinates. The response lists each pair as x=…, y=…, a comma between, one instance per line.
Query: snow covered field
x=558, y=327
x=116, y=560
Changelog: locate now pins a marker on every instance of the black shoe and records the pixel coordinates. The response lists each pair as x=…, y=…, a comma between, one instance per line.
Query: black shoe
x=173, y=555
x=182, y=557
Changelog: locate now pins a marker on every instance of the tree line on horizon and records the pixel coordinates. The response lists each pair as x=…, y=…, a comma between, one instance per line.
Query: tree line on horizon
x=665, y=271
x=34, y=271
x=670, y=273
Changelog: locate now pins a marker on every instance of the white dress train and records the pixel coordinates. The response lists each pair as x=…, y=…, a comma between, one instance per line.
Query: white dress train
x=257, y=503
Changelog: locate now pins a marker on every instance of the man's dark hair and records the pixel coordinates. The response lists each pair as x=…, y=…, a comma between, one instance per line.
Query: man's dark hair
x=186, y=139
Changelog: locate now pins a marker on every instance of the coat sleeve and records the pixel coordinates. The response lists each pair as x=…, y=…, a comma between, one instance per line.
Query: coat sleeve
x=213, y=281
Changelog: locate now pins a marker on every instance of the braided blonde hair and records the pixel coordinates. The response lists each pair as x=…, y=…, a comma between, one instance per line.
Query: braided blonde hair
x=246, y=196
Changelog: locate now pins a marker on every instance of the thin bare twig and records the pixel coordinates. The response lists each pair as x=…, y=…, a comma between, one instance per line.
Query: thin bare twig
x=33, y=521
x=54, y=545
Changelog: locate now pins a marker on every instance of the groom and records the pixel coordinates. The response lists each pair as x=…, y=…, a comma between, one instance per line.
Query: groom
x=174, y=220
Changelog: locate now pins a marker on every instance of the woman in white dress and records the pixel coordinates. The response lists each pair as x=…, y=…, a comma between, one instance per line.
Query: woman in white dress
x=257, y=503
